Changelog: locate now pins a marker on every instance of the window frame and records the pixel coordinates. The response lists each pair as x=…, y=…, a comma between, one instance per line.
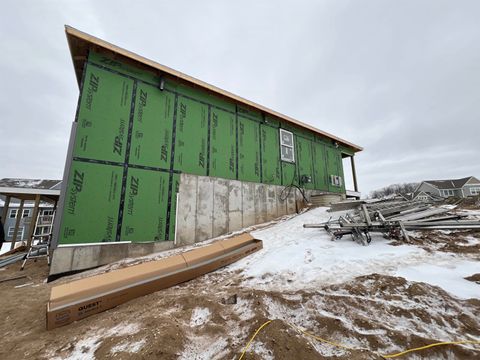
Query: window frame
x=447, y=192
x=21, y=231
x=28, y=211
x=284, y=145
x=475, y=190
x=47, y=212
x=11, y=212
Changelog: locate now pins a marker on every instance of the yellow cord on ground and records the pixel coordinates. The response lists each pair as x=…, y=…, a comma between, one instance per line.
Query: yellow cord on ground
x=253, y=337
x=388, y=356
x=430, y=346
x=320, y=339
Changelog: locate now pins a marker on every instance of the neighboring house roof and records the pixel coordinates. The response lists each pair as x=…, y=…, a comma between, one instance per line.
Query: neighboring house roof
x=30, y=183
x=28, y=189
x=451, y=184
x=80, y=42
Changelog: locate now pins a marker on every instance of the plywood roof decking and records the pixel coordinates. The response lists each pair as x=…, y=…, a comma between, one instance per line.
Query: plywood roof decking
x=79, y=43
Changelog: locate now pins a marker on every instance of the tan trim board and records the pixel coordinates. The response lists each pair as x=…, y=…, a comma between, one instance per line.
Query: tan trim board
x=80, y=35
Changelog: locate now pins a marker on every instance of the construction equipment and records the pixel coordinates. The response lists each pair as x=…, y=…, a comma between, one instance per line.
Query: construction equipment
x=393, y=219
x=41, y=239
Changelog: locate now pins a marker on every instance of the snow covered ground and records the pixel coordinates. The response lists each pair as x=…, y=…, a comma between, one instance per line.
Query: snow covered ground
x=296, y=258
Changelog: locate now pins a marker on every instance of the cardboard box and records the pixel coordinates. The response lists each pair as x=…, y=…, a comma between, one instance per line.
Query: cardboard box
x=81, y=298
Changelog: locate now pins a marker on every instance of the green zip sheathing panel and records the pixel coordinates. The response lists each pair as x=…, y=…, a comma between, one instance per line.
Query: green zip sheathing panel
x=248, y=150
x=289, y=174
x=145, y=210
x=152, y=127
x=137, y=131
x=304, y=160
x=103, y=60
x=103, y=116
x=271, y=171
x=333, y=165
x=320, y=175
x=191, y=137
x=91, y=205
x=223, y=153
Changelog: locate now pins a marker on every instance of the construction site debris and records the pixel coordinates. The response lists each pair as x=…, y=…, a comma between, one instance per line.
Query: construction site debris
x=79, y=299
x=392, y=218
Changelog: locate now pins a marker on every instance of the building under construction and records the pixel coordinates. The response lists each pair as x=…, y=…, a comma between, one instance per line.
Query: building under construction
x=158, y=159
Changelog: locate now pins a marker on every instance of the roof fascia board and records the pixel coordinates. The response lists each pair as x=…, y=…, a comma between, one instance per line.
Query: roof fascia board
x=70, y=31
x=27, y=191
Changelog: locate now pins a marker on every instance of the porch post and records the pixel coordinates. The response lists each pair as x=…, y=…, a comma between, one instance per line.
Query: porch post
x=17, y=224
x=5, y=209
x=354, y=173
x=31, y=229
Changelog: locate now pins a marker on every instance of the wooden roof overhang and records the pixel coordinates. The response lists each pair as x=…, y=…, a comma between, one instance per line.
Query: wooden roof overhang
x=80, y=43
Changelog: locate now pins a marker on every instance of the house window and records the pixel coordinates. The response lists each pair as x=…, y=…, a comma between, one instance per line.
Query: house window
x=47, y=212
x=287, y=146
x=446, y=193
x=336, y=180
x=14, y=212
x=475, y=190
x=11, y=230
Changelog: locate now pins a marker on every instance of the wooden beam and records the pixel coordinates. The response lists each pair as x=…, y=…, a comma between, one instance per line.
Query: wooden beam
x=354, y=174
x=5, y=209
x=31, y=228
x=17, y=224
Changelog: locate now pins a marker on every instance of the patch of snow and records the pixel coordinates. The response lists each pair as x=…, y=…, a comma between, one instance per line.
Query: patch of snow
x=23, y=285
x=243, y=309
x=449, y=277
x=85, y=348
x=293, y=297
x=295, y=258
x=132, y=347
x=200, y=316
x=259, y=348
x=471, y=241
x=204, y=348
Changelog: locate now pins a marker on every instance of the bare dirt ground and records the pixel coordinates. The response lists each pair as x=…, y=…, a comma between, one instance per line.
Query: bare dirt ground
x=214, y=316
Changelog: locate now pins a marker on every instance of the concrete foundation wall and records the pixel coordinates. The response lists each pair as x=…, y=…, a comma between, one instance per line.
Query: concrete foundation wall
x=74, y=258
x=207, y=207
x=210, y=207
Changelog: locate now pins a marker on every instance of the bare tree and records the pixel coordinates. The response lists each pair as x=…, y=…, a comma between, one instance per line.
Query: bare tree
x=400, y=189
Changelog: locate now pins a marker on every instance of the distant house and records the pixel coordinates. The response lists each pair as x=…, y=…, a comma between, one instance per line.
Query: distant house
x=460, y=188
x=32, y=202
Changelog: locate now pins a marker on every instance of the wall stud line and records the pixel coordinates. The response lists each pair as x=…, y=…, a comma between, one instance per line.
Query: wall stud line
x=172, y=163
x=209, y=122
x=125, y=165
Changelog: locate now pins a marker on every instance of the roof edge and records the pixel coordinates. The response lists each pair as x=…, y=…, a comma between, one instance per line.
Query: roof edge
x=72, y=32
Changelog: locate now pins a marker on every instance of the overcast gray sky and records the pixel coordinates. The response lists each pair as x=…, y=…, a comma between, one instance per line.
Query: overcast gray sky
x=400, y=78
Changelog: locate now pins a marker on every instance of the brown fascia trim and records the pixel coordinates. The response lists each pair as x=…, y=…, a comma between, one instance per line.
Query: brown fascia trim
x=76, y=38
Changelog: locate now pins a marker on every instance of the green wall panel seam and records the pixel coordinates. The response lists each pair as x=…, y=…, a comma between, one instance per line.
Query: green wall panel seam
x=183, y=95
x=125, y=167
x=236, y=143
x=172, y=164
x=313, y=163
x=260, y=153
x=194, y=99
x=208, y=138
x=280, y=156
